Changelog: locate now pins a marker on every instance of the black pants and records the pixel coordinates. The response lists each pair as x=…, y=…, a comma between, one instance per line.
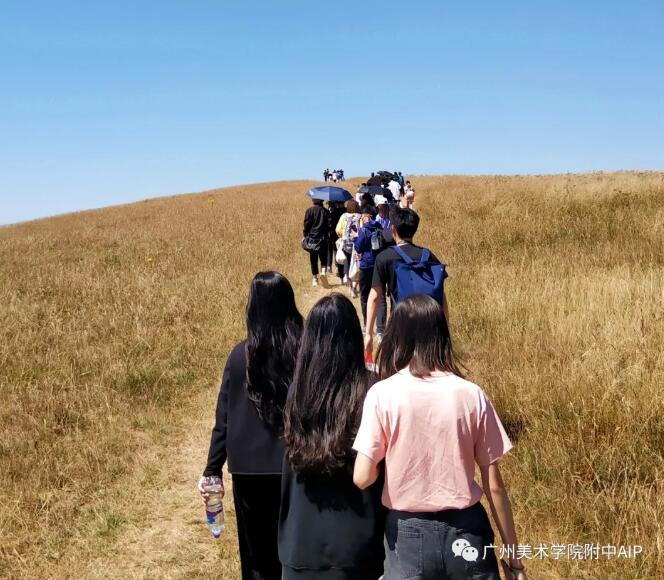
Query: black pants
x=451, y=544
x=347, y=264
x=366, y=277
x=321, y=255
x=370, y=574
x=257, y=499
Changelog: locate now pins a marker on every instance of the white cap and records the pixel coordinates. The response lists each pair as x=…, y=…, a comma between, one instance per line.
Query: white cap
x=380, y=200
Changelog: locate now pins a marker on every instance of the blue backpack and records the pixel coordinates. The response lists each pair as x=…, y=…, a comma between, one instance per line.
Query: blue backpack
x=417, y=277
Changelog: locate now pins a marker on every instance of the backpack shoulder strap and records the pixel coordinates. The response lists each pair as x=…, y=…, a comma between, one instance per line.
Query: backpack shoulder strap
x=405, y=257
x=426, y=254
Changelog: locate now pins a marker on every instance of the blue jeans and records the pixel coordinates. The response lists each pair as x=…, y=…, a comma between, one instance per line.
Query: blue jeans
x=443, y=545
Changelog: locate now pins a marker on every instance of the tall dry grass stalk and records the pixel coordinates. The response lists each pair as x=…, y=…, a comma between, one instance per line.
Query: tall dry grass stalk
x=112, y=322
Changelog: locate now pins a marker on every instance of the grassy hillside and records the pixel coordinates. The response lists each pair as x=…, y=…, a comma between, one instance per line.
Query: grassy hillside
x=114, y=325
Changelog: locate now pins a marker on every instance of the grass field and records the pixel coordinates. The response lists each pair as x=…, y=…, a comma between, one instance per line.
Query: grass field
x=115, y=324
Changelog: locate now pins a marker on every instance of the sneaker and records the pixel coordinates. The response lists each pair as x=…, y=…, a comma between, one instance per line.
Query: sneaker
x=314, y=281
x=323, y=271
x=345, y=280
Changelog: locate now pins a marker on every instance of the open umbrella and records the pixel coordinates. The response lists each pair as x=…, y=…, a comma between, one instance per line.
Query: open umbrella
x=372, y=189
x=329, y=193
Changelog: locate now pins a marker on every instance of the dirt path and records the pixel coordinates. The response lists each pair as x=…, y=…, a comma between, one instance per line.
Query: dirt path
x=175, y=542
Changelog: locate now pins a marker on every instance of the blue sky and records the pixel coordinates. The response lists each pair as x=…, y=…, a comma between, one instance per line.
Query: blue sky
x=109, y=102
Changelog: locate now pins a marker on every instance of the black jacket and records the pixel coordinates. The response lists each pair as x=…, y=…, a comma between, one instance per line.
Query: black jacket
x=239, y=434
x=317, y=223
x=327, y=523
x=335, y=216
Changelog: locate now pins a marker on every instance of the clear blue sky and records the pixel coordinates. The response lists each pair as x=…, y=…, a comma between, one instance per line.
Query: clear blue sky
x=109, y=102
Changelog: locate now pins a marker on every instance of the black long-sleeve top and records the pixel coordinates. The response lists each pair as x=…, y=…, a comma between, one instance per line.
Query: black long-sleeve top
x=327, y=523
x=240, y=435
x=335, y=216
x=316, y=222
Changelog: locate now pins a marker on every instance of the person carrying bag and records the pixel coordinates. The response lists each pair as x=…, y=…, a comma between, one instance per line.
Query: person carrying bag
x=315, y=237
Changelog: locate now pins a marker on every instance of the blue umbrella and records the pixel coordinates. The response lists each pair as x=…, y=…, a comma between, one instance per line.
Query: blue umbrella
x=329, y=193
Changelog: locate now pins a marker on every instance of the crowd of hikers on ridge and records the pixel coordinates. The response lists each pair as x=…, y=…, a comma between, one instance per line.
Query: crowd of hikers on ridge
x=343, y=470
x=335, y=176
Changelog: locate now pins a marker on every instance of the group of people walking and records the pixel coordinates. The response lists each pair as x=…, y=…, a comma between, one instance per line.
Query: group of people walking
x=353, y=235
x=335, y=175
x=395, y=188
x=341, y=472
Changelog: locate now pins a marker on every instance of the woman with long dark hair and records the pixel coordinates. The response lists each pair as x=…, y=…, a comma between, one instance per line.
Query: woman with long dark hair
x=328, y=529
x=249, y=420
x=431, y=426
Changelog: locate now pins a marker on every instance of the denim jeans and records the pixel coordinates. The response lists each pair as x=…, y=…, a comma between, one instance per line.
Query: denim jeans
x=444, y=545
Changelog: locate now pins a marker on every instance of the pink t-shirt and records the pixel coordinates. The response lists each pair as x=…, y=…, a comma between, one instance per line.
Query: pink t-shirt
x=430, y=432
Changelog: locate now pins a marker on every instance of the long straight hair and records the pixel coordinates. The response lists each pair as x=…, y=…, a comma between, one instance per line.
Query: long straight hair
x=274, y=329
x=324, y=404
x=417, y=336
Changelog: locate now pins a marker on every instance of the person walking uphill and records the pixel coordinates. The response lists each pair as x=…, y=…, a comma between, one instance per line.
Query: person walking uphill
x=336, y=210
x=404, y=269
x=346, y=230
x=369, y=243
x=328, y=528
x=431, y=426
x=249, y=421
x=316, y=235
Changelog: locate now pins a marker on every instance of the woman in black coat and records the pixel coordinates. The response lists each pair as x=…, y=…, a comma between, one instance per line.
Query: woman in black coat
x=316, y=233
x=249, y=420
x=328, y=528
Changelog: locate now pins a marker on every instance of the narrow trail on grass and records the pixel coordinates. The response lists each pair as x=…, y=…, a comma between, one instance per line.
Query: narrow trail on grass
x=175, y=543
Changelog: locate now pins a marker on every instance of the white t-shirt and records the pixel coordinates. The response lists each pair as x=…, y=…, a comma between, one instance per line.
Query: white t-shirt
x=395, y=188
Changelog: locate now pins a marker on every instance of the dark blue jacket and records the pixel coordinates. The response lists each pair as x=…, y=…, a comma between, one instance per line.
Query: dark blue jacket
x=363, y=244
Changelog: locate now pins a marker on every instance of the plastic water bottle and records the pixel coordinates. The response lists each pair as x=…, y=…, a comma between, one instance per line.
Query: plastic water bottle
x=214, y=509
x=375, y=241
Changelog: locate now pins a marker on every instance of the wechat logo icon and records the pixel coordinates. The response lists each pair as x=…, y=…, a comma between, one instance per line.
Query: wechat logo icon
x=463, y=549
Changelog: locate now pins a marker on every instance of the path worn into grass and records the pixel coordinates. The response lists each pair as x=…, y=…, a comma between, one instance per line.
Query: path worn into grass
x=174, y=543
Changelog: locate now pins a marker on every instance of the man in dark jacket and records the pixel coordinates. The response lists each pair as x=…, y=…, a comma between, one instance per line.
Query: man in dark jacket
x=316, y=237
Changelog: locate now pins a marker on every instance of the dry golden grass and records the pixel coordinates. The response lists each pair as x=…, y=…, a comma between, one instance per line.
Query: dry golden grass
x=115, y=325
